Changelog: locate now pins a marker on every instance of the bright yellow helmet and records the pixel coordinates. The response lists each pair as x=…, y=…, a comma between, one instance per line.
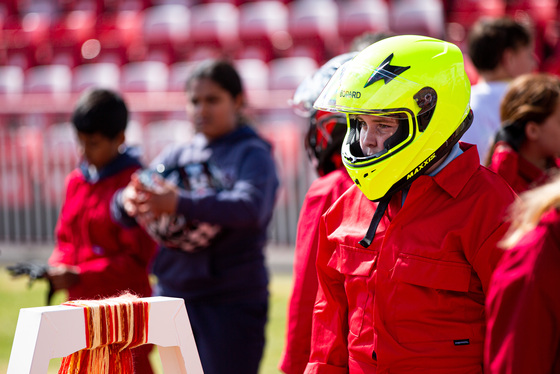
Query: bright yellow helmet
x=420, y=80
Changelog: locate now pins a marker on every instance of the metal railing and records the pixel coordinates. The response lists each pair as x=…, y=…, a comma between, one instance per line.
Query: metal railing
x=38, y=150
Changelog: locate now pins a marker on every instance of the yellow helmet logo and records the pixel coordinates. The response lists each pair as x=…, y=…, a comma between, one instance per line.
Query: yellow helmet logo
x=386, y=67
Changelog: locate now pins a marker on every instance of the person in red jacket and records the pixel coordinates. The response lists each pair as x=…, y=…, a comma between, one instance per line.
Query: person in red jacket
x=94, y=257
x=526, y=150
x=405, y=255
x=323, y=142
x=523, y=303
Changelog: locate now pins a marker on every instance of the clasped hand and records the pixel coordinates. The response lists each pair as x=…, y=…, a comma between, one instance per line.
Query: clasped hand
x=160, y=198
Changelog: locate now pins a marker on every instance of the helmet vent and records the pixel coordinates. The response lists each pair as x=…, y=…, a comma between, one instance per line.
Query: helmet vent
x=426, y=99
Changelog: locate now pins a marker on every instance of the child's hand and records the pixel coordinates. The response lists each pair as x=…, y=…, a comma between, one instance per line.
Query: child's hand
x=131, y=196
x=160, y=200
x=63, y=277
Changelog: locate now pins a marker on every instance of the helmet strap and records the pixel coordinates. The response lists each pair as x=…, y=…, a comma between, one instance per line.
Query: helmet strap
x=384, y=201
x=379, y=212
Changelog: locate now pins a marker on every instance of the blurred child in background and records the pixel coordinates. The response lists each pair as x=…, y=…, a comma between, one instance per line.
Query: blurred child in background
x=323, y=142
x=523, y=304
x=500, y=49
x=208, y=204
x=94, y=257
x=527, y=148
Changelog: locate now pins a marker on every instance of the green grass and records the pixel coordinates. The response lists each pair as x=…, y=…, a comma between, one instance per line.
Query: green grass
x=15, y=294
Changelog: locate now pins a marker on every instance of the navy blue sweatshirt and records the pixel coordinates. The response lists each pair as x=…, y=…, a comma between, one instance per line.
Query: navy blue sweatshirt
x=240, y=202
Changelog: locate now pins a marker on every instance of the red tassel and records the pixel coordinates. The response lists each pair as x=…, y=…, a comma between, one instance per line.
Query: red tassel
x=109, y=335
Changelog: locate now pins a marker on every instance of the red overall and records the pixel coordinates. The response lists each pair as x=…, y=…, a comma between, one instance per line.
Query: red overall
x=523, y=304
x=413, y=301
x=322, y=193
x=517, y=171
x=111, y=259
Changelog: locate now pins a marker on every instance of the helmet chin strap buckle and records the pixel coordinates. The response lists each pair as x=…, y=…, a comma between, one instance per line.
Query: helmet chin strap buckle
x=379, y=212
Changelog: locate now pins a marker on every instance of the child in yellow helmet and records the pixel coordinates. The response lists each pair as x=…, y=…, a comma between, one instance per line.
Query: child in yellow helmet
x=405, y=255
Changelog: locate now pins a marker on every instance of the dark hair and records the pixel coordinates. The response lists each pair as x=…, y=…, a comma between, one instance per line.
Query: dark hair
x=100, y=111
x=219, y=71
x=529, y=98
x=491, y=37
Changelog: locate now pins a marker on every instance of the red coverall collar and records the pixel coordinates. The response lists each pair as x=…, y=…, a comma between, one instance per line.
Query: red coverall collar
x=452, y=180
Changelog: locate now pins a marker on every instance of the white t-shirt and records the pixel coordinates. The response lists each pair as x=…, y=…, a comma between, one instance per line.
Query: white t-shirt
x=485, y=103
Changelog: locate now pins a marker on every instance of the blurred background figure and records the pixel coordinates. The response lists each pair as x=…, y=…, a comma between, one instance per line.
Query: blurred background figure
x=208, y=204
x=526, y=150
x=500, y=49
x=523, y=303
x=94, y=257
x=323, y=141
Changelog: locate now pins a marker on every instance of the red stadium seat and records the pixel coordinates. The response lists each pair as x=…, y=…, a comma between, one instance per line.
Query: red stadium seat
x=70, y=32
x=119, y=33
x=288, y=72
x=261, y=23
x=315, y=24
x=144, y=76
x=11, y=80
x=467, y=12
x=105, y=75
x=178, y=75
x=27, y=39
x=55, y=79
x=215, y=24
x=424, y=17
x=360, y=16
x=254, y=73
x=165, y=31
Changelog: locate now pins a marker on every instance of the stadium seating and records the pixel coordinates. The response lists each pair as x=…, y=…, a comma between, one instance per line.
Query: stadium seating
x=215, y=24
x=166, y=30
x=254, y=73
x=466, y=12
x=425, y=17
x=144, y=76
x=261, y=23
x=55, y=79
x=178, y=74
x=106, y=75
x=319, y=29
x=11, y=81
x=69, y=33
x=360, y=16
x=288, y=72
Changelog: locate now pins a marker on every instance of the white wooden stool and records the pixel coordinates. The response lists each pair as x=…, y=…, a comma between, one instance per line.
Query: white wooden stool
x=57, y=331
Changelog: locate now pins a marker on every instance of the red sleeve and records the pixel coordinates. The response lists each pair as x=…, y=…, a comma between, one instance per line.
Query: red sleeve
x=124, y=270
x=322, y=193
x=63, y=252
x=523, y=310
x=329, y=346
x=300, y=307
x=111, y=258
x=504, y=162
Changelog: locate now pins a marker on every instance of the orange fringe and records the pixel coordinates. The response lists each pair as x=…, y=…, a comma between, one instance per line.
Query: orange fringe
x=113, y=326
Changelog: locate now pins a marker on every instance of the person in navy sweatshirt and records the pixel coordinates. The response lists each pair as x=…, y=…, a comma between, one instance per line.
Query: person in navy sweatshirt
x=208, y=204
